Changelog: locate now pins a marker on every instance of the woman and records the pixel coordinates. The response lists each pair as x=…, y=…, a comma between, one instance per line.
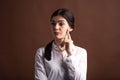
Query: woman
x=61, y=59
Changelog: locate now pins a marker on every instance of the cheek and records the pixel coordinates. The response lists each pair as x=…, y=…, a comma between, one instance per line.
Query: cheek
x=64, y=31
x=51, y=30
x=65, y=28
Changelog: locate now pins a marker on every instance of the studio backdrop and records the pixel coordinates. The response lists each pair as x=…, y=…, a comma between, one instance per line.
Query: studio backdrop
x=25, y=27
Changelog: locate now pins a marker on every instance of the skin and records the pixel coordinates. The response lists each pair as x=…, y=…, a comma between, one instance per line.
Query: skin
x=61, y=33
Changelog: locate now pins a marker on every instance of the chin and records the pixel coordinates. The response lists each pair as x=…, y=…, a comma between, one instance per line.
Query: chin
x=58, y=37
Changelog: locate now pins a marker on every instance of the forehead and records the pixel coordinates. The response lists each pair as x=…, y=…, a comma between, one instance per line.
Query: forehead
x=58, y=19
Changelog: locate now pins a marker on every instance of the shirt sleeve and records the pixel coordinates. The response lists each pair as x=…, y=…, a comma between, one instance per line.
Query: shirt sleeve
x=77, y=65
x=40, y=73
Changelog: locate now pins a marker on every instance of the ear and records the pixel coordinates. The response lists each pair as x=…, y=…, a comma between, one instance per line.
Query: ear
x=70, y=29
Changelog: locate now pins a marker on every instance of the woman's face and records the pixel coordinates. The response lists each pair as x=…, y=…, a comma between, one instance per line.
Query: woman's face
x=59, y=27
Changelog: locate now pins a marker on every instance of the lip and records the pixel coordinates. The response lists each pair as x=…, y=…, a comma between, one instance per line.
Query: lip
x=56, y=33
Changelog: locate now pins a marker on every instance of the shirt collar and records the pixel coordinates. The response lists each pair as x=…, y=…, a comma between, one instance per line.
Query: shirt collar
x=55, y=47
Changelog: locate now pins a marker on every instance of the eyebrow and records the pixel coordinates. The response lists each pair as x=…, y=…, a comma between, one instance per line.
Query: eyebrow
x=57, y=21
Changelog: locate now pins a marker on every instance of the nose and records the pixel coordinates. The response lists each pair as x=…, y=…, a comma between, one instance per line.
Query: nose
x=56, y=26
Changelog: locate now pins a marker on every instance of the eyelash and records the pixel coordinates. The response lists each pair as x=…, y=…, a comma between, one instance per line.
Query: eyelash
x=60, y=24
x=53, y=24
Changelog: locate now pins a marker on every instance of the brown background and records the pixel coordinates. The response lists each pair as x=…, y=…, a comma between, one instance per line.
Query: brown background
x=25, y=27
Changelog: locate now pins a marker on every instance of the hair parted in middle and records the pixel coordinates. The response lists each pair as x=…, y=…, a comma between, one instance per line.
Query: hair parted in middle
x=66, y=14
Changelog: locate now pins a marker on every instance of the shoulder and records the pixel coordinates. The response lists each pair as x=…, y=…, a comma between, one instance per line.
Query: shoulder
x=40, y=51
x=80, y=50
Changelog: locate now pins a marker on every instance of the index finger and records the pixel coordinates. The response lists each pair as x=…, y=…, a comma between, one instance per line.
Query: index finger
x=68, y=33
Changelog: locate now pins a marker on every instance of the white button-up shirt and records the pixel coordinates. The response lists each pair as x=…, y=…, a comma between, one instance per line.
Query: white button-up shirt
x=61, y=66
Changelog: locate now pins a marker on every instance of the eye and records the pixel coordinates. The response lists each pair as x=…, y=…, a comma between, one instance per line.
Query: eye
x=61, y=23
x=53, y=23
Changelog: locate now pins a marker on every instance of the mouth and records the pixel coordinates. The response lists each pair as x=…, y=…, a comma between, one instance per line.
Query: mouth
x=56, y=33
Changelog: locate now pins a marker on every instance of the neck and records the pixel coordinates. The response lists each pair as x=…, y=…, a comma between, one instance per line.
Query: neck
x=58, y=41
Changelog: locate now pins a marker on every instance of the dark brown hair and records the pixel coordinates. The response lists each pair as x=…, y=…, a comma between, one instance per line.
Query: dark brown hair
x=48, y=50
x=66, y=14
x=70, y=19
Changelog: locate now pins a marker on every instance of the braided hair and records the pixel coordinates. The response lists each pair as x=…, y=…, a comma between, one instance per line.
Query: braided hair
x=48, y=50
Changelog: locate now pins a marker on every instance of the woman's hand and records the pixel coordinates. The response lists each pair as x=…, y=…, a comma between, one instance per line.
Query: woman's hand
x=67, y=44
